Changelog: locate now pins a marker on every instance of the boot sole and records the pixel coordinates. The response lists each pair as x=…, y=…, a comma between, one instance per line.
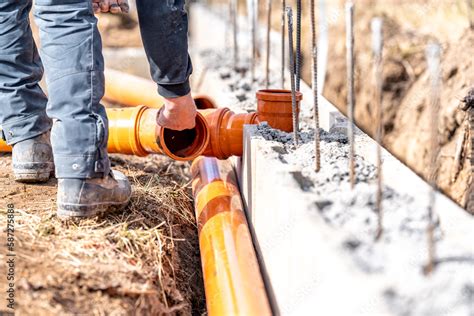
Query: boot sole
x=76, y=211
x=33, y=172
x=32, y=177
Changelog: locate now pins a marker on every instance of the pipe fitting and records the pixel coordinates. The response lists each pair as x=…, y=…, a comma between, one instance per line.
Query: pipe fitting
x=274, y=107
x=134, y=131
x=226, y=130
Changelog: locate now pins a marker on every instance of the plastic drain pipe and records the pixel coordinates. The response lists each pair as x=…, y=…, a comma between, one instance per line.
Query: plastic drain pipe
x=218, y=133
x=134, y=131
x=232, y=279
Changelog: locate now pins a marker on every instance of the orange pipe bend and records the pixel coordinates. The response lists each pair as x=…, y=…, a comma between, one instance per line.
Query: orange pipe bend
x=227, y=132
x=134, y=131
x=232, y=280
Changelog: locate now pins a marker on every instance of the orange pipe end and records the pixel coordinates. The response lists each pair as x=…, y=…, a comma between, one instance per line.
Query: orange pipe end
x=129, y=90
x=274, y=107
x=227, y=132
x=4, y=148
x=232, y=279
x=134, y=131
x=185, y=145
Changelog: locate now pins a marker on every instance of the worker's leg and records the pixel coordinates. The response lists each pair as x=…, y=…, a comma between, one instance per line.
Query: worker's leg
x=22, y=102
x=72, y=54
x=164, y=29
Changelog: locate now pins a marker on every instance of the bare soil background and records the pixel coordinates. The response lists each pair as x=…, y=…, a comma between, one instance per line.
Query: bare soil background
x=408, y=29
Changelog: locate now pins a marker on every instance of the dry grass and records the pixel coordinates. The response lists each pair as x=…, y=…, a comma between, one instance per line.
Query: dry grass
x=143, y=260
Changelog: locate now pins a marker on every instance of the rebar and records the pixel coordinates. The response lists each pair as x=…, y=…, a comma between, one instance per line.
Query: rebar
x=253, y=27
x=269, y=27
x=298, y=44
x=377, y=49
x=433, y=54
x=470, y=13
x=235, y=31
x=317, y=136
x=350, y=86
x=283, y=8
x=292, y=75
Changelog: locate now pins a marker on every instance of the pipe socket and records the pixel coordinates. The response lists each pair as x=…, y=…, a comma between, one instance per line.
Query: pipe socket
x=274, y=107
x=226, y=130
x=134, y=131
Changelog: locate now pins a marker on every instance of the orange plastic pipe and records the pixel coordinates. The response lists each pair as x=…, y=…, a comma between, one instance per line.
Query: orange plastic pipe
x=129, y=90
x=135, y=131
x=4, y=147
x=226, y=129
x=232, y=279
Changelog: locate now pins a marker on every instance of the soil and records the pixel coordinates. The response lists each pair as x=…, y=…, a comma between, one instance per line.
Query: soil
x=143, y=260
x=406, y=87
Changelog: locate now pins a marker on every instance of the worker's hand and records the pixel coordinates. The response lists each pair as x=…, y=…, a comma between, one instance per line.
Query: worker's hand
x=178, y=113
x=112, y=6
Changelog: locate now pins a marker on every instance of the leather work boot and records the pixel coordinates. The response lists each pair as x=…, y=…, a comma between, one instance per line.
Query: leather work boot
x=33, y=159
x=90, y=197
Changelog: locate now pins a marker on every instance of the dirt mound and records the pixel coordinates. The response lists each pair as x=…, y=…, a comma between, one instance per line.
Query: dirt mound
x=406, y=94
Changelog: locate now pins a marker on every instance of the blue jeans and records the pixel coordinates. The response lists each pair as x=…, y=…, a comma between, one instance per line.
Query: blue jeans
x=71, y=52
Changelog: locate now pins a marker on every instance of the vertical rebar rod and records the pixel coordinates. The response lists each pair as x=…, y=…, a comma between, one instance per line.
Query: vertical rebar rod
x=377, y=49
x=433, y=55
x=470, y=13
x=317, y=150
x=235, y=31
x=283, y=8
x=292, y=74
x=253, y=32
x=269, y=27
x=350, y=86
x=298, y=44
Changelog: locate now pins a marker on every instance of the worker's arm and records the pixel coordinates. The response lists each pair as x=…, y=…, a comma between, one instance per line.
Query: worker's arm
x=164, y=29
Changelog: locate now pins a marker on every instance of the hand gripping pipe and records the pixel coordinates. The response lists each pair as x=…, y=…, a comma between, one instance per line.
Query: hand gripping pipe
x=219, y=132
x=232, y=279
x=134, y=131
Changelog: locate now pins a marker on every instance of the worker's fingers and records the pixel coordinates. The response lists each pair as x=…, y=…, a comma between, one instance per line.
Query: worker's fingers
x=124, y=5
x=104, y=6
x=114, y=8
x=95, y=7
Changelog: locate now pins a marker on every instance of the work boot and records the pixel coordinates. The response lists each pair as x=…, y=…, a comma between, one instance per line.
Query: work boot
x=33, y=159
x=90, y=197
